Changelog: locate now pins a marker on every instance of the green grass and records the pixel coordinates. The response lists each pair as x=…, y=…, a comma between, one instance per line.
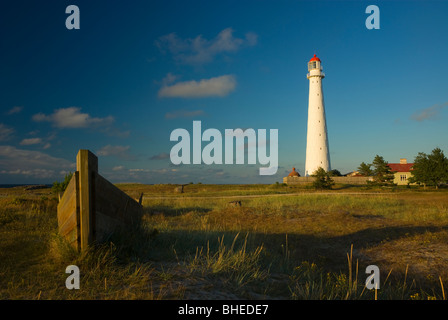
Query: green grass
x=310, y=245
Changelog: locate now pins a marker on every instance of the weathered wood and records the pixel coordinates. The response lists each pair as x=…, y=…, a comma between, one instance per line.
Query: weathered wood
x=68, y=212
x=69, y=224
x=67, y=206
x=106, y=226
x=140, y=200
x=86, y=165
x=69, y=190
x=72, y=236
x=113, y=208
x=92, y=208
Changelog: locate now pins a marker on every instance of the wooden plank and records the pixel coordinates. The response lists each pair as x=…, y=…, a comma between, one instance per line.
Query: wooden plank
x=105, y=226
x=113, y=202
x=72, y=238
x=87, y=166
x=66, y=201
x=113, y=208
x=77, y=241
x=66, y=208
x=69, y=189
x=68, y=212
x=69, y=224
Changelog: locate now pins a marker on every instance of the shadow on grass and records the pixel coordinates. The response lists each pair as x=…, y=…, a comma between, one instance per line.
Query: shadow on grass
x=281, y=252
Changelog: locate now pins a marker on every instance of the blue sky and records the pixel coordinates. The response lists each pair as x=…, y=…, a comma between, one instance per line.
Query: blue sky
x=136, y=71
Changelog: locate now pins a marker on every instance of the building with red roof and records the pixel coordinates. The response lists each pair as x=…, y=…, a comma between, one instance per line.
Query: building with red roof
x=402, y=171
x=293, y=173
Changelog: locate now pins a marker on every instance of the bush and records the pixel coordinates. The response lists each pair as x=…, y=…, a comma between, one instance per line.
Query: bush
x=322, y=179
x=59, y=187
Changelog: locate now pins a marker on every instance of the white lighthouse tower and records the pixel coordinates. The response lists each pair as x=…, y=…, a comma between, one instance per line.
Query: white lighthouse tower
x=317, y=149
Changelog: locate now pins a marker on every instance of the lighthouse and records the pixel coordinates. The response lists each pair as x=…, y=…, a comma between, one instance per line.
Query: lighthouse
x=317, y=149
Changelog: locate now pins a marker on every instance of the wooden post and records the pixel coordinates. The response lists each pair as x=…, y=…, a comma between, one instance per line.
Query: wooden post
x=92, y=208
x=87, y=166
x=140, y=199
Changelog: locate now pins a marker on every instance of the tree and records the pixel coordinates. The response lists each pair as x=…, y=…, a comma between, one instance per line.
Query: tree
x=335, y=173
x=439, y=163
x=430, y=169
x=59, y=187
x=381, y=171
x=365, y=169
x=322, y=179
x=421, y=170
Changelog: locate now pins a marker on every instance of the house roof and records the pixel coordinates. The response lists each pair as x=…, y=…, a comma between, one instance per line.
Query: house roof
x=293, y=173
x=353, y=174
x=400, y=167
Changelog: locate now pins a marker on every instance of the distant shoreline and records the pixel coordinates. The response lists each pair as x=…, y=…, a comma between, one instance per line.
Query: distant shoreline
x=24, y=185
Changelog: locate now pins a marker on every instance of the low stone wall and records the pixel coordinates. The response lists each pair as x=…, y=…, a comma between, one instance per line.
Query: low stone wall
x=341, y=180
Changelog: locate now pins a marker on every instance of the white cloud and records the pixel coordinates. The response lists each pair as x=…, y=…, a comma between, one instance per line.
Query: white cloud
x=30, y=141
x=139, y=170
x=72, y=118
x=5, y=132
x=112, y=150
x=121, y=152
x=15, y=110
x=199, y=50
x=169, y=78
x=35, y=173
x=29, y=163
x=33, y=133
x=429, y=113
x=218, y=86
x=160, y=156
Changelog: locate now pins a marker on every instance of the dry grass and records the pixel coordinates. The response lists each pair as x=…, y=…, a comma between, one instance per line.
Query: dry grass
x=309, y=245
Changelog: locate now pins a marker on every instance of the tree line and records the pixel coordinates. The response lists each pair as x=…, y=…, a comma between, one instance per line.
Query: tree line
x=427, y=170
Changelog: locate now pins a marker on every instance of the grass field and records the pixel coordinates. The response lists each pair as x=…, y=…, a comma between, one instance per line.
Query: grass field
x=283, y=242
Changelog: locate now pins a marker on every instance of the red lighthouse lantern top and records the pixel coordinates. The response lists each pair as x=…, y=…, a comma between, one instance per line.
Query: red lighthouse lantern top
x=314, y=58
